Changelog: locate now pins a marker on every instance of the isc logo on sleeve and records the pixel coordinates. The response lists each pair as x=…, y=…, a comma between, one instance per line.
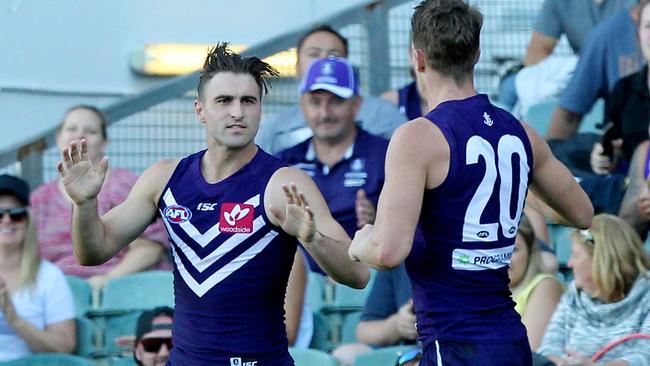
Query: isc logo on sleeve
x=236, y=218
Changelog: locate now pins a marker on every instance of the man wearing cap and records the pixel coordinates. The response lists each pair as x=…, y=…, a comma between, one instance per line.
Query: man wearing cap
x=153, y=337
x=345, y=161
x=290, y=127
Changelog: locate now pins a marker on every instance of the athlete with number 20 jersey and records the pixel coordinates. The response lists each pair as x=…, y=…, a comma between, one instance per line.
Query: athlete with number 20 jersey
x=463, y=172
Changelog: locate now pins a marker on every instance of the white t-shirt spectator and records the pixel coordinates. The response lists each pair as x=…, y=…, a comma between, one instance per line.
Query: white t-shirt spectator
x=49, y=301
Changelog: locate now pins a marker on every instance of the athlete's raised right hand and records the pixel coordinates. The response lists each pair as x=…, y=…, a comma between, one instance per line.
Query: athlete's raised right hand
x=81, y=179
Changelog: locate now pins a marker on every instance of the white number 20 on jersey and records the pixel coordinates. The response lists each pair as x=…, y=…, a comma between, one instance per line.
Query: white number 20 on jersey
x=509, y=145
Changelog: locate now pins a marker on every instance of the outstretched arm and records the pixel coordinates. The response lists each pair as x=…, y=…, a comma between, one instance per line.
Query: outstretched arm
x=555, y=186
x=386, y=244
x=96, y=240
x=294, y=203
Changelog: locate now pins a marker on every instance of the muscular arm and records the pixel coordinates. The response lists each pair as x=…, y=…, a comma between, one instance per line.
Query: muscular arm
x=629, y=210
x=414, y=147
x=540, y=47
x=564, y=124
x=95, y=239
x=556, y=187
x=329, y=243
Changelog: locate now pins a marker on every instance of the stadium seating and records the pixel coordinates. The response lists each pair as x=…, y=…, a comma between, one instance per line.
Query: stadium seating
x=539, y=117
x=82, y=294
x=312, y=357
x=49, y=359
x=381, y=357
x=139, y=291
x=86, y=337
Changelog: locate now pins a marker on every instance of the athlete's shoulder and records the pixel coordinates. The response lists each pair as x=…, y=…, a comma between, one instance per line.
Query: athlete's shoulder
x=158, y=174
x=420, y=132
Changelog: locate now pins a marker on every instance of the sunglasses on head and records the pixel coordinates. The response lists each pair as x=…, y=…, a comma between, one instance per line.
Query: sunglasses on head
x=16, y=214
x=154, y=344
x=414, y=354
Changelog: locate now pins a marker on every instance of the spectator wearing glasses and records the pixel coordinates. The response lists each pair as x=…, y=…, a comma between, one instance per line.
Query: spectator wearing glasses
x=36, y=305
x=608, y=301
x=153, y=337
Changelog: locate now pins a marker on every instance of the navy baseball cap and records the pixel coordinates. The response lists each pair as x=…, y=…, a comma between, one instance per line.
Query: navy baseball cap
x=14, y=186
x=145, y=321
x=333, y=74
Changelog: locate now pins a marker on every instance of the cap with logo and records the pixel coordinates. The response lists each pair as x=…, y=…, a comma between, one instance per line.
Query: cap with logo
x=15, y=186
x=333, y=74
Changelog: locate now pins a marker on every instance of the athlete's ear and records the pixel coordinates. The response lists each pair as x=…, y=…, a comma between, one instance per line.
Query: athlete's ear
x=418, y=59
x=198, y=109
x=478, y=55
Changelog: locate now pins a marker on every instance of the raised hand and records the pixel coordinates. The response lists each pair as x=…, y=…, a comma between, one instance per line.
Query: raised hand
x=81, y=179
x=297, y=219
x=365, y=209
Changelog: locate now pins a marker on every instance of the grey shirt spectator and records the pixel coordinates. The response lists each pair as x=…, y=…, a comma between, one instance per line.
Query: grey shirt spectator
x=576, y=18
x=586, y=324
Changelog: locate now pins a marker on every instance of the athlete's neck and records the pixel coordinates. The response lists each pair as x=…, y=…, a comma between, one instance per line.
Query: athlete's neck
x=437, y=88
x=331, y=151
x=220, y=162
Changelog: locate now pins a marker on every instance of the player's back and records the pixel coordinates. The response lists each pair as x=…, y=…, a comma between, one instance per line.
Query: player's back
x=459, y=273
x=231, y=266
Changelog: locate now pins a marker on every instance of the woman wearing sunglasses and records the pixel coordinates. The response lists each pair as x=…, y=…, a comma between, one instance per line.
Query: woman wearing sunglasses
x=36, y=305
x=608, y=301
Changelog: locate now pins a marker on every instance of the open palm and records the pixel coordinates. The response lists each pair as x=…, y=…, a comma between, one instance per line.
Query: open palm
x=298, y=218
x=81, y=179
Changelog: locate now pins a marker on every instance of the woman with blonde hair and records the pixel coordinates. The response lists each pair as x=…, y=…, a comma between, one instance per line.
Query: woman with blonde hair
x=608, y=301
x=36, y=305
x=535, y=292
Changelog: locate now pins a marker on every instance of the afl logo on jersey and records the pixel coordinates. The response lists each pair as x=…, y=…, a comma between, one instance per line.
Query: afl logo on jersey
x=177, y=214
x=483, y=234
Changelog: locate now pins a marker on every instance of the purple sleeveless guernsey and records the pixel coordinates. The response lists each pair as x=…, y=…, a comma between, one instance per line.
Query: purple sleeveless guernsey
x=460, y=271
x=231, y=267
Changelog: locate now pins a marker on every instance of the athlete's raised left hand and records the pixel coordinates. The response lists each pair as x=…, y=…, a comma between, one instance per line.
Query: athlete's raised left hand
x=298, y=218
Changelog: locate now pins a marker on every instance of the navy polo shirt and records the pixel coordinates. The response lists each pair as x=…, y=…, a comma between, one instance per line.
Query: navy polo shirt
x=362, y=167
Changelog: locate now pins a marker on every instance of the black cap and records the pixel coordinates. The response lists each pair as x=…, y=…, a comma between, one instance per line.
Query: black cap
x=145, y=321
x=14, y=186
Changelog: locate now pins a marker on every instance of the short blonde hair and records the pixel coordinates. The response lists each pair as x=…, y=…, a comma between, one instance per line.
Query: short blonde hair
x=618, y=256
